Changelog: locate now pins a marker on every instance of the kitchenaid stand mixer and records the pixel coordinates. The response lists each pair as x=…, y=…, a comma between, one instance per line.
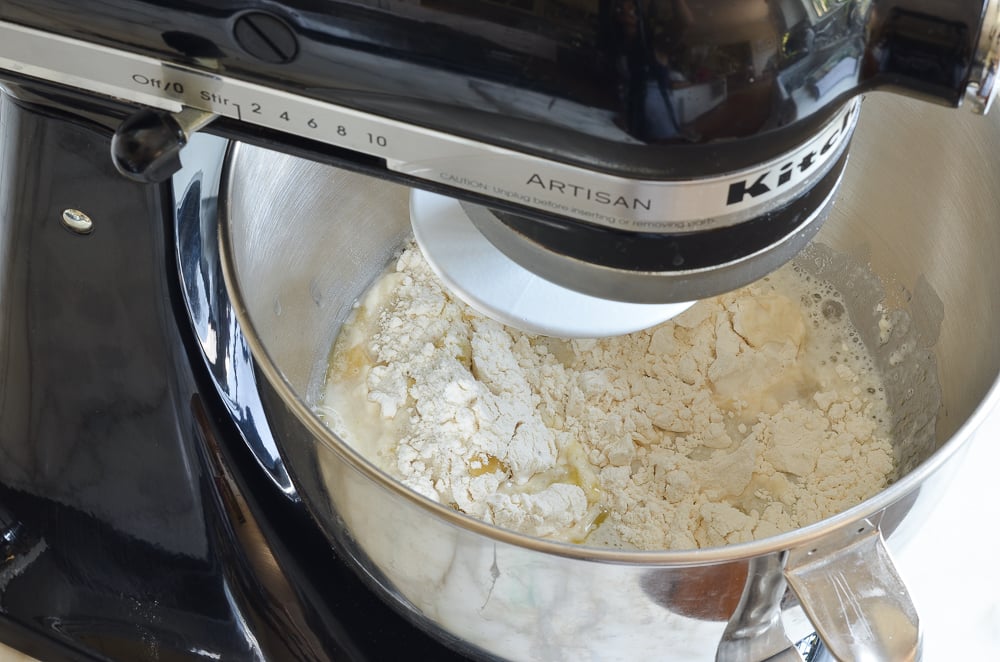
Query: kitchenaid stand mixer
x=131, y=385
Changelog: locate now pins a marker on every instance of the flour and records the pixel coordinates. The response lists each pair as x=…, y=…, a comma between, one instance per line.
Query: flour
x=752, y=413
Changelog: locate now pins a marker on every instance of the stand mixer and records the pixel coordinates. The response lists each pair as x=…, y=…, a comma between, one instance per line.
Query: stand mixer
x=646, y=153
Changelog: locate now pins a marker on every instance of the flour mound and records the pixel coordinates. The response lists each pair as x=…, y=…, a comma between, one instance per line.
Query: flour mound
x=753, y=413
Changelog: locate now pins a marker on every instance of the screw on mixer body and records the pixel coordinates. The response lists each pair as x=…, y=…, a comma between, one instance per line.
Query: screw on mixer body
x=76, y=221
x=266, y=37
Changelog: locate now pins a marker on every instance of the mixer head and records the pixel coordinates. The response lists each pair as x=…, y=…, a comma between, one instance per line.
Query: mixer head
x=614, y=160
x=653, y=249
x=736, y=197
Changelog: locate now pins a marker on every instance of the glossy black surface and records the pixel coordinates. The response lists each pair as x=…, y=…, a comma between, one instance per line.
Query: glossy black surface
x=135, y=525
x=655, y=88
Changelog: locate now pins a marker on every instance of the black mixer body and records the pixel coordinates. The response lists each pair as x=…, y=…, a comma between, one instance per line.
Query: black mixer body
x=140, y=517
x=646, y=151
x=137, y=522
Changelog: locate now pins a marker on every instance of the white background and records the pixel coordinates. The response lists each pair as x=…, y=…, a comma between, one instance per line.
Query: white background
x=952, y=566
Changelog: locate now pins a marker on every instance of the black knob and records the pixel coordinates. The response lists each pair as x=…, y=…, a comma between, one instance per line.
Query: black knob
x=147, y=145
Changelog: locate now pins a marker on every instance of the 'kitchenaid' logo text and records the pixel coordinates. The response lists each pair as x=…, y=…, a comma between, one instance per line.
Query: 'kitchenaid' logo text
x=586, y=193
x=775, y=178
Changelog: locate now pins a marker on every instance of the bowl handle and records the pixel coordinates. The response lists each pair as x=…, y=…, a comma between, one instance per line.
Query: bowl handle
x=855, y=598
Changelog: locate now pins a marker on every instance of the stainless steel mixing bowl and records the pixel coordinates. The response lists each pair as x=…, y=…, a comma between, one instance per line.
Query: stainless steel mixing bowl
x=920, y=205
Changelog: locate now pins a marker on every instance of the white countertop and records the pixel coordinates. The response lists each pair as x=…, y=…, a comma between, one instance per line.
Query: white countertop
x=952, y=566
